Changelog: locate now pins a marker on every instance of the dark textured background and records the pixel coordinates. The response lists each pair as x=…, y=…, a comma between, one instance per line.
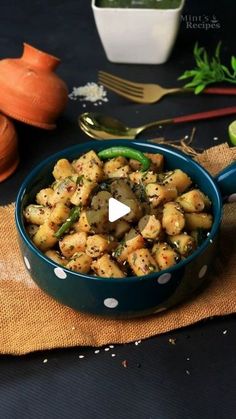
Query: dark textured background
x=193, y=379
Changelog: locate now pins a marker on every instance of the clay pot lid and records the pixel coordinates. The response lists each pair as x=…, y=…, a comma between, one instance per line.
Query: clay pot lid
x=9, y=157
x=31, y=92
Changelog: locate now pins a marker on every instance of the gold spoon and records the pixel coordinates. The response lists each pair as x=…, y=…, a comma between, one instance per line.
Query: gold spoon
x=102, y=127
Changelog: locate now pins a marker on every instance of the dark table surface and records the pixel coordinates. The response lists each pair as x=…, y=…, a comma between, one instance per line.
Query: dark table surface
x=194, y=378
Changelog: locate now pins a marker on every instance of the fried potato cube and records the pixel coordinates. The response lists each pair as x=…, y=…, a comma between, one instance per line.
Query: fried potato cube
x=107, y=268
x=149, y=226
x=63, y=169
x=193, y=201
x=63, y=191
x=121, y=190
x=73, y=243
x=83, y=223
x=59, y=213
x=198, y=220
x=80, y=263
x=145, y=178
x=158, y=212
x=142, y=262
x=31, y=229
x=133, y=241
x=164, y=255
x=112, y=165
x=90, y=166
x=44, y=237
x=101, y=200
x=98, y=244
x=56, y=257
x=183, y=243
x=179, y=179
x=43, y=196
x=121, y=227
x=82, y=192
x=173, y=220
x=135, y=210
x=36, y=214
x=93, y=221
x=122, y=172
x=157, y=194
x=157, y=162
x=94, y=173
x=135, y=165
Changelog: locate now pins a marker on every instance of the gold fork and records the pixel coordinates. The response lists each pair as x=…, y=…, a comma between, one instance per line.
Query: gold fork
x=147, y=92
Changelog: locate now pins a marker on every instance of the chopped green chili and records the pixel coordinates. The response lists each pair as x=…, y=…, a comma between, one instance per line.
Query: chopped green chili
x=73, y=217
x=130, y=153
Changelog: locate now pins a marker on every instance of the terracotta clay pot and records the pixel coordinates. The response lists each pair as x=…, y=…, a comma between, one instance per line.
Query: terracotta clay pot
x=9, y=158
x=30, y=90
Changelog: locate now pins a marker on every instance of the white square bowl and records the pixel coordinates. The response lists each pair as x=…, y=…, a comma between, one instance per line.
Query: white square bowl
x=137, y=36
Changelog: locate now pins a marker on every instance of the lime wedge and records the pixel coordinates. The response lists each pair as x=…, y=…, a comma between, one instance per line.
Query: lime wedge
x=232, y=132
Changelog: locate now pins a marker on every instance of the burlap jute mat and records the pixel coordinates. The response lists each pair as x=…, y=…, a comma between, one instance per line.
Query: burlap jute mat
x=30, y=320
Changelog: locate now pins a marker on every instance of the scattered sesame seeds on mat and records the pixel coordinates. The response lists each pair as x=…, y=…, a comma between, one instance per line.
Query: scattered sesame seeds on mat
x=90, y=92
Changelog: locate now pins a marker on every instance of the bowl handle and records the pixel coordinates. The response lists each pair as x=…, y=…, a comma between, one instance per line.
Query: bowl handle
x=226, y=181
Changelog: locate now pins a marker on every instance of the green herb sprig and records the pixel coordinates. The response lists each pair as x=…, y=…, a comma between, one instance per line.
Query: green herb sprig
x=209, y=69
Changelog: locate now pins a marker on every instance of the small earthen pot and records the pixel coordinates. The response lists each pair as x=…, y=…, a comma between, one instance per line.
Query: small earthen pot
x=9, y=158
x=30, y=90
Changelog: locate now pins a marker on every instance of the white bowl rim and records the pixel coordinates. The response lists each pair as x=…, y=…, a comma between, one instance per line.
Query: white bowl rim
x=139, y=10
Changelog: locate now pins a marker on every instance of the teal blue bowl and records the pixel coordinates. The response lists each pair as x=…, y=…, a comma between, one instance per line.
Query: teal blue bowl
x=132, y=296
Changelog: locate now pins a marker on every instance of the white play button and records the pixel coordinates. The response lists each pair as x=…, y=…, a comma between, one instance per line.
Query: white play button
x=117, y=210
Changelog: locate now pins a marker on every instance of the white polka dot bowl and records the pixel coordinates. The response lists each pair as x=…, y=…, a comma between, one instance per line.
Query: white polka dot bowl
x=131, y=296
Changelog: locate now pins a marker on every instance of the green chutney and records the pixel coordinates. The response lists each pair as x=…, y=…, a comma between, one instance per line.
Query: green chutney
x=140, y=4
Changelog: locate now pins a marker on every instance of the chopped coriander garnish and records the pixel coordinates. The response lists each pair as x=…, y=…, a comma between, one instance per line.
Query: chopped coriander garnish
x=209, y=69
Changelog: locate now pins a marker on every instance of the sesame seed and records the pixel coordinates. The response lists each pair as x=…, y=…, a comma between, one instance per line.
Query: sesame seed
x=225, y=331
x=107, y=349
x=111, y=346
x=113, y=355
x=97, y=351
x=81, y=356
x=45, y=361
x=215, y=138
